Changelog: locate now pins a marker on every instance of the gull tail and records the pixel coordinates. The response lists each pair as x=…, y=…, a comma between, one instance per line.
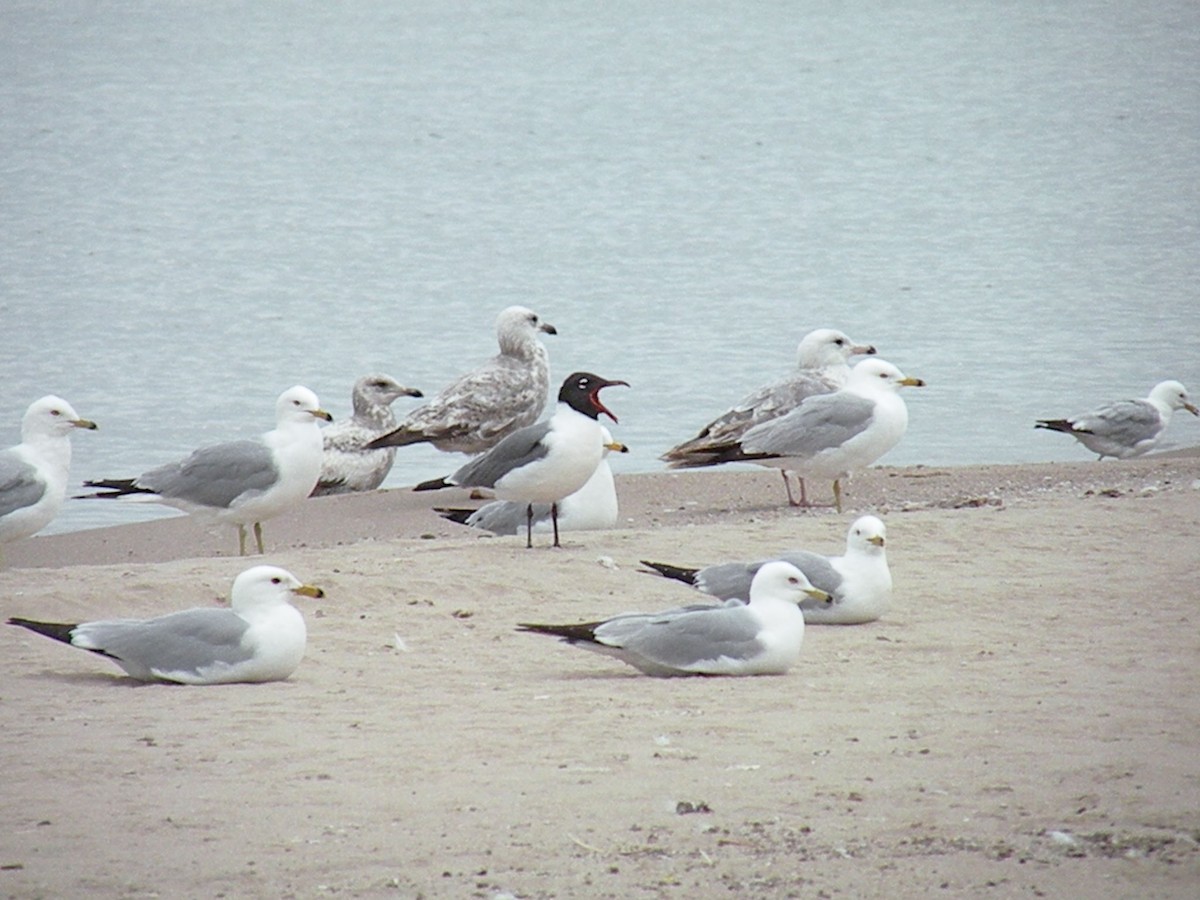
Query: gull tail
x=112, y=488
x=679, y=573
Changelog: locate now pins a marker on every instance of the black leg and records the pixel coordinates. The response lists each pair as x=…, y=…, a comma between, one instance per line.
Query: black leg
x=529, y=527
x=554, y=519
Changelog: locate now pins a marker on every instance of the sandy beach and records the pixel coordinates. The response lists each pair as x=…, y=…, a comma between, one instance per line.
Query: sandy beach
x=1023, y=722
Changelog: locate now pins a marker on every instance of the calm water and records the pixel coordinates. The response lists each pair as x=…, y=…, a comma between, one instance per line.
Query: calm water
x=203, y=204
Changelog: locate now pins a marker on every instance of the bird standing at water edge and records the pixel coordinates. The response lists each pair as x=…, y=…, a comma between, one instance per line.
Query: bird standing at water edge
x=239, y=482
x=1126, y=428
x=821, y=367
x=348, y=465
x=828, y=435
x=33, y=473
x=547, y=461
x=479, y=409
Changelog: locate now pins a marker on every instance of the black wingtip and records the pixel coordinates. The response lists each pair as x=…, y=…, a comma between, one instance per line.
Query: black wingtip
x=459, y=516
x=678, y=573
x=435, y=484
x=59, y=631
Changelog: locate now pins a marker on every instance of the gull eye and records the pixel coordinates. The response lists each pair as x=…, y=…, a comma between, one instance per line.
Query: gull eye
x=56, y=412
x=276, y=580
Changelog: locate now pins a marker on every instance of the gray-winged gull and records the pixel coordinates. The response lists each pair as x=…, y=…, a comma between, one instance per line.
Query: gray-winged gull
x=593, y=506
x=1126, y=428
x=33, y=474
x=478, y=409
x=259, y=637
x=830, y=435
x=348, y=465
x=859, y=581
x=761, y=637
x=239, y=482
x=547, y=461
x=821, y=367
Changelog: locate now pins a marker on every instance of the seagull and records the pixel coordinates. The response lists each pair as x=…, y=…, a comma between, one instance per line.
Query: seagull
x=33, y=474
x=1126, y=428
x=761, y=637
x=859, y=581
x=822, y=367
x=547, y=461
x=479, y=409
x=830, y=435
x=348, y=465
x=239, y=482
x=592, y=507
x=260, y=637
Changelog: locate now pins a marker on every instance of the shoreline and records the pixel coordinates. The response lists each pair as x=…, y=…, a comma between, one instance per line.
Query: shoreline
x=650, y=499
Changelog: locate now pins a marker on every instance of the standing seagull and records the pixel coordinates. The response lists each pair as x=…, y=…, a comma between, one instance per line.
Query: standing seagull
x=260, y=637
x=822, y=367
x=240, y=482
x=1126, y=428
x=859, y=581
x=348, y=465
x=547, y=461
x=479, y=409
x=33, y=474
x=761, y=637
x=591, y=507
x=831, y=435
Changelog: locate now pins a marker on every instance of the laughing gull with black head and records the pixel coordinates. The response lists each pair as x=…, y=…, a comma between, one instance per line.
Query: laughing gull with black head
x=547, y=461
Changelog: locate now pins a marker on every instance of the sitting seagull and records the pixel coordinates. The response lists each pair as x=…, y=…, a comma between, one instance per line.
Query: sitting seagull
x=547, y=461
x=859, y=581
x=348, y=465
x=830, y=435
x=260, y=637
x=1126, y=428
x=592, y=507
x=822, y=367
x=479, y=409
x=239, y=482
x=761, y=637
x=33, y=474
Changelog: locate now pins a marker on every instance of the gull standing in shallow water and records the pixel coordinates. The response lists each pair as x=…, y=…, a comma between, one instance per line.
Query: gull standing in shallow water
x=547, y=461
x=239, y=482
x=859, y=581
x=1126, y=428
x=348, y=465
x=761, y=637
x=479, y=409
x=831, y=435
x=260, y=637
x=33, y=474
x=592, y=507
x=821, y=367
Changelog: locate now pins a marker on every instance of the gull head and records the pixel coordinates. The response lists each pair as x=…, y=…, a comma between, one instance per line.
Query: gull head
x=517, y=329
x=52, y=416
x=264, y=586
x=1174, y=395
x=377, y=390
x=299, y=404
x=828, y=347
x=779, y=580
x=876, y=374
x=867, y=534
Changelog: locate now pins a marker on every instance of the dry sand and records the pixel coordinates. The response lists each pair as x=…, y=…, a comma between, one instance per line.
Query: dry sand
x=1024, y=722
